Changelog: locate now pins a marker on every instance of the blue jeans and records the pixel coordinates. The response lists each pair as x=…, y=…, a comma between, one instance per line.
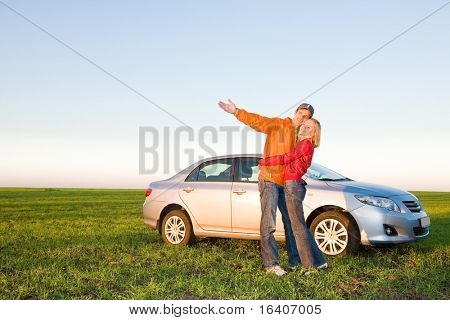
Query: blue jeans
x=272, y=195
x=310, y=254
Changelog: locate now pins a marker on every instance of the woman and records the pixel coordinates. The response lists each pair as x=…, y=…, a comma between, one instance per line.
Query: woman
x=295, y=164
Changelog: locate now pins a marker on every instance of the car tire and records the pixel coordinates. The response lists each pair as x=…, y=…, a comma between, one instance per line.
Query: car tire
x=176, y=228
x=335, y=233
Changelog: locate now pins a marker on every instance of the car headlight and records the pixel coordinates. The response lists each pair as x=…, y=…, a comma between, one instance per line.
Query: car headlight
x=379, y=202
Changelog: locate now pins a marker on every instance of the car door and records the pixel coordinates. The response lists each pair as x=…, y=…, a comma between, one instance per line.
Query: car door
x=313, y=189
x=206, y=194
x=245, y=199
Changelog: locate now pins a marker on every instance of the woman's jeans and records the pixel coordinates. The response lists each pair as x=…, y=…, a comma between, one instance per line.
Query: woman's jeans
x=272, y=196
x=310, y=254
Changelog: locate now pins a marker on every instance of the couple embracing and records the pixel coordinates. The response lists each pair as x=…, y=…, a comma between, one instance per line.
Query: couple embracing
x=288, y=153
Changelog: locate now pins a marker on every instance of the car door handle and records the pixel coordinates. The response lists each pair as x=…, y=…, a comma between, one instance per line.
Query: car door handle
x=188, y=189
x=239, y=192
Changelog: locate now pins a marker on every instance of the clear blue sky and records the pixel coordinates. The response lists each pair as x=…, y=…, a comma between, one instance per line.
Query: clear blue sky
x=65, y=123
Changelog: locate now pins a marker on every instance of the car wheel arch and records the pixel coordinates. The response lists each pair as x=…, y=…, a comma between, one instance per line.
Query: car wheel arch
x=169, y=208
x=316, y=212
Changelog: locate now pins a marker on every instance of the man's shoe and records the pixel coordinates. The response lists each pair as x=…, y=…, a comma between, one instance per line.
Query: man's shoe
x=277, y=270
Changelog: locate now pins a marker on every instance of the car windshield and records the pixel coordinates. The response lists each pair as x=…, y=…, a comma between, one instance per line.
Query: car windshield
x=318, y=172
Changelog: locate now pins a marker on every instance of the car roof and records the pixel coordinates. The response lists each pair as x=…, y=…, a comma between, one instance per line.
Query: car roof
x=243, y=155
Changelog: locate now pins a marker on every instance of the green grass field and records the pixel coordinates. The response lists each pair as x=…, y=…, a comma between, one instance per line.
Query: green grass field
x=92, y=244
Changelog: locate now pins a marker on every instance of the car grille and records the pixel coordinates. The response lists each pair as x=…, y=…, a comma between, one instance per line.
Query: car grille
x=413, y=206
x=419, y=231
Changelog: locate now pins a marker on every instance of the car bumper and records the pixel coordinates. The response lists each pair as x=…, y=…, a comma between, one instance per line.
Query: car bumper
x=151, y=210
x=373, y=222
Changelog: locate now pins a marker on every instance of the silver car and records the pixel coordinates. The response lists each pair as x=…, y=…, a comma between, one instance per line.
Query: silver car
x=219, y=197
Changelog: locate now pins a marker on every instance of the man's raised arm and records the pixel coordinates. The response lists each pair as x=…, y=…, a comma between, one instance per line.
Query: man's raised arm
x=253, y=120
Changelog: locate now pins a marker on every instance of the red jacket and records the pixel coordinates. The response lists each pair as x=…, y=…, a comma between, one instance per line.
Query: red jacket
x=295, y=162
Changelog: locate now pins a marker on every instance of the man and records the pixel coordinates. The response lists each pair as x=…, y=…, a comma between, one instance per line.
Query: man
x=281, y=138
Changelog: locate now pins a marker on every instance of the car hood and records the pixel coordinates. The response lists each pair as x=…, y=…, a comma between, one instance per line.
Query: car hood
x=366, y=188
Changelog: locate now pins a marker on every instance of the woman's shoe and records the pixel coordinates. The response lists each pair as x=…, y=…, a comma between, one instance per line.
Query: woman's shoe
x=294, y=268
x=316, y=270
x=323, y=266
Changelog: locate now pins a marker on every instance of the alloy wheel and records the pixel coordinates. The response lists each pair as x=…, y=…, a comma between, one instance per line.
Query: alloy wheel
x=331, y=236
x=175, y=230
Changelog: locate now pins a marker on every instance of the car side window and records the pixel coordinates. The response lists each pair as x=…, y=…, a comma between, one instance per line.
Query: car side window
x=248, y=170
x=215, y=170
x=193, y=175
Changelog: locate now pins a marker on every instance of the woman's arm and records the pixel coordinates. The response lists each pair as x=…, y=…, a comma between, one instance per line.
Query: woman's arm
x=271, y=161
x=302, y=151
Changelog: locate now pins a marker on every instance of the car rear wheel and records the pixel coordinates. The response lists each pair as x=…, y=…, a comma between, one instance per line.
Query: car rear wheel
x=176, y=228
x=335, y=233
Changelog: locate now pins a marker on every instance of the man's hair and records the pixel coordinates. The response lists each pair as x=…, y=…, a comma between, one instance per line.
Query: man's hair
x=308, y=107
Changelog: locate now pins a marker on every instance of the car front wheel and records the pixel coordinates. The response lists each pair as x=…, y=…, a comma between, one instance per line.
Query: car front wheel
x=335, y=233
x=176, y=228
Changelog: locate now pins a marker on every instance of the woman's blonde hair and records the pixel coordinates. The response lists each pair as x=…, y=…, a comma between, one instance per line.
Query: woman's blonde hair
x=317, y=132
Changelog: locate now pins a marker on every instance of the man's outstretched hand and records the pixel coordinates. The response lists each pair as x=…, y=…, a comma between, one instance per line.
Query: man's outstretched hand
x=229, y=107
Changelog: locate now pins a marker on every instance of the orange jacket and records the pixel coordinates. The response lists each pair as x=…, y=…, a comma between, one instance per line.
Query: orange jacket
x=280, y=140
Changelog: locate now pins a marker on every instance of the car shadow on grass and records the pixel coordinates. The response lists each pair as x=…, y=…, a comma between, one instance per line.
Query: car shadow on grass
x=398, y=249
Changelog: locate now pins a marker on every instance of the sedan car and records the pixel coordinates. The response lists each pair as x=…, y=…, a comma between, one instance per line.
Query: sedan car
x=219, y=197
